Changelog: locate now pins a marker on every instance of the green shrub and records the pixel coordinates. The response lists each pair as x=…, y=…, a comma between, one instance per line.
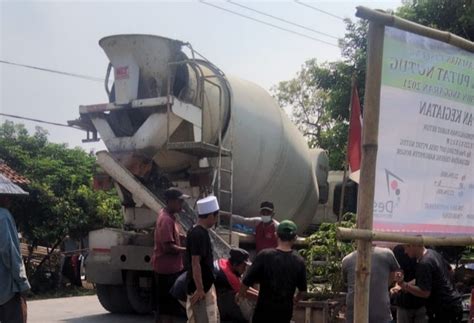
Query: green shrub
x=325, y=276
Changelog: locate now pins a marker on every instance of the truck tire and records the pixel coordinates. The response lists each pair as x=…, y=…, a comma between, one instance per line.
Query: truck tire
x=114, y=298
x=140, y=296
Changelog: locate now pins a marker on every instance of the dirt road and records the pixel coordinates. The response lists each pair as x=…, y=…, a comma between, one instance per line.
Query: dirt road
x=77, y=310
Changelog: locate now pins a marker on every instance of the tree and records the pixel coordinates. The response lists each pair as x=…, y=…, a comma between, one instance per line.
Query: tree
x=305, y=98
x=319, y=96
x=455, y=16
x=61, y=200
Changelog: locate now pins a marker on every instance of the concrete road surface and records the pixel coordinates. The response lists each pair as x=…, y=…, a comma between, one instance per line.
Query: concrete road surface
x=77, y=310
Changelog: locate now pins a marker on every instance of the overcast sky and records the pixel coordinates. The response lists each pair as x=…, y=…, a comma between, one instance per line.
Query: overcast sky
x=63, y=35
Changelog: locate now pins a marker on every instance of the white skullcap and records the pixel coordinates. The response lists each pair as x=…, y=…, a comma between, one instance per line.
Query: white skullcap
x=207, y=205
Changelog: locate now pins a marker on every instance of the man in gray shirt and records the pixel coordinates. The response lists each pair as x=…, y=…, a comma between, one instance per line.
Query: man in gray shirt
x=382, y=275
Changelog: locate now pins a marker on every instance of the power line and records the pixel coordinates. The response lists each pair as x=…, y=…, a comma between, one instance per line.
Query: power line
x=319, y=10
x=268, y=24
x=85, y=77
x=281, y=19
x=40, y=121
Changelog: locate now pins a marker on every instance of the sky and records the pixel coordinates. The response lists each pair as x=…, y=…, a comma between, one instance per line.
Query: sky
x=64, y=35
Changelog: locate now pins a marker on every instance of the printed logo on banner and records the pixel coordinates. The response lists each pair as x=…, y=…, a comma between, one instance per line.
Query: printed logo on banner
x=386, y=207
x=393, y=185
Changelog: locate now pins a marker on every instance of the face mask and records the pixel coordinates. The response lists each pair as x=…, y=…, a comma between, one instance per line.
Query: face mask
x=266, y=218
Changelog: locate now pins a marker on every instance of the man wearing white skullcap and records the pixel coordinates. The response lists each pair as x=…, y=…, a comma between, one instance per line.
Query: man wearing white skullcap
x=201, y=305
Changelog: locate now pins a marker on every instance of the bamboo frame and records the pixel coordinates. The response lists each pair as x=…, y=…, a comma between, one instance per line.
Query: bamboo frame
x=383, y=18
x=369, y=235
x=364, y=234
x=367, y=172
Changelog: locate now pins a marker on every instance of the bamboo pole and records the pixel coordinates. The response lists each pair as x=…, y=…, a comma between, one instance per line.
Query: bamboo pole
x=369, y=235
x=383, y=18
x=367, y=172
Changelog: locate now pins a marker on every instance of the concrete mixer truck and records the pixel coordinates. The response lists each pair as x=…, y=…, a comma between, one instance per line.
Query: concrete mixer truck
x=175, y=119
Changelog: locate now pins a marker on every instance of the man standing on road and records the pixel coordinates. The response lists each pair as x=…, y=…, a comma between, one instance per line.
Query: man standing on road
x=168, y=256
x=433, y=283
x=201, y=305
x=410, y=309
x=13, y=280
x=382, y=275
x=227, y=272
x=279, y=272
x=264, y=225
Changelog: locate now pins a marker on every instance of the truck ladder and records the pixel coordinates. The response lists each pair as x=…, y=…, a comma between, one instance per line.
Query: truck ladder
x=223, y=172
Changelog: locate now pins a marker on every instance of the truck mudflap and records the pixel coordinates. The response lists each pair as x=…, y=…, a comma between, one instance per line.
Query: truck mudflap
x=100, y=272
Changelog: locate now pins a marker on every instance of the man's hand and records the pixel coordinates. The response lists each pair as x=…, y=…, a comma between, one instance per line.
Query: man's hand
x=237, y=299
x=252, y=293
x=395, y=290
x=198, y=296
x=399, y=278
x=298, y=297
x=295, y=300
x=242, y=293
x=172, y=248
x=182, y=239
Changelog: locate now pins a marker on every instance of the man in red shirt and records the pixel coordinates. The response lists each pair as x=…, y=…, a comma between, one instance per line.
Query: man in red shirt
x=264, y=225
x=168, y=256
x=265, y=232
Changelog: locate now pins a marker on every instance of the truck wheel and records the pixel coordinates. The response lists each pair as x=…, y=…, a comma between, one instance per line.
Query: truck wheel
x=114, y=298
x=139, y=286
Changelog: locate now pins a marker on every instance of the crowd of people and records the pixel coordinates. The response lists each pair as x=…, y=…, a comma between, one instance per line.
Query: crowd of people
x=416, y=280
x=192, y=285
x=413, y=279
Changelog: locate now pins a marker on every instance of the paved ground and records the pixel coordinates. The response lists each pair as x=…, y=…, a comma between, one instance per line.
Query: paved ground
x=77, y=310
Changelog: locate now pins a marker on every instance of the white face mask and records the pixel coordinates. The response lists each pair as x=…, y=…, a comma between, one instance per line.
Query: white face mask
x=266, y=218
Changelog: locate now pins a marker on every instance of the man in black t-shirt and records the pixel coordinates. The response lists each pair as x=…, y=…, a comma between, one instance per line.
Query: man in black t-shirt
x=410, y=309
x=201, y=305
x=433, y=282
x=279, y=272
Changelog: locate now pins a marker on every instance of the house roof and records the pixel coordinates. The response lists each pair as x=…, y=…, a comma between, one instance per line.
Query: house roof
x=12, y=175
x=9, y=188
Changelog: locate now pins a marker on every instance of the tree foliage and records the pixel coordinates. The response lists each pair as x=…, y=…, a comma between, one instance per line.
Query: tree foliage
x=318, y=97
x=455, y=16
x=323, y=246
x=61, y=201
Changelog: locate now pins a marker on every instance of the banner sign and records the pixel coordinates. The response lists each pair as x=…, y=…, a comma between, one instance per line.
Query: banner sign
x=425, y=172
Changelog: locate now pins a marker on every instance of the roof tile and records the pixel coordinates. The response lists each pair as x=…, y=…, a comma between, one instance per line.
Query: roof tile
x=12, y=175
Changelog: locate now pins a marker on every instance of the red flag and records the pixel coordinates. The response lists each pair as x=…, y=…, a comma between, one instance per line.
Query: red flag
x=355, y=137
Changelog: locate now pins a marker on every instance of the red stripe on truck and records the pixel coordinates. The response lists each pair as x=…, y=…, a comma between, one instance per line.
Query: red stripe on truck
x=105, y=250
